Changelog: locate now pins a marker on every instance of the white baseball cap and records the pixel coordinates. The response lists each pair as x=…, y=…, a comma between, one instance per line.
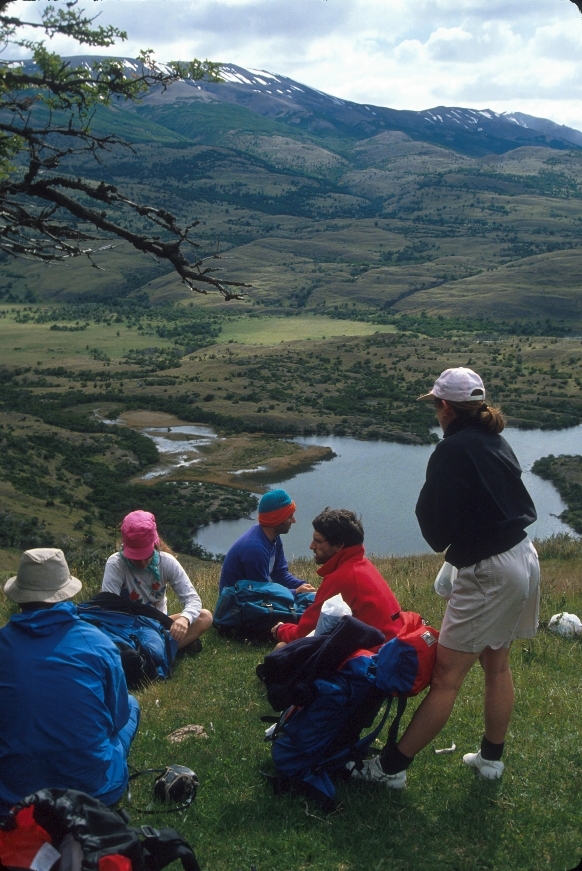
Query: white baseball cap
x=457, y=385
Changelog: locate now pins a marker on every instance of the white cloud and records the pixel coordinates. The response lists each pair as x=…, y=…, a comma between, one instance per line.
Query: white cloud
x=407, y=54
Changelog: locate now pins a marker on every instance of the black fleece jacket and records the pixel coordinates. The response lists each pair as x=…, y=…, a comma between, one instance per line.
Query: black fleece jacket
x=473, y=501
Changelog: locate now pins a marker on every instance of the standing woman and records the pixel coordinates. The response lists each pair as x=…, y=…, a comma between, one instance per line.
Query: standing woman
x=141, y=572
x=474, y=505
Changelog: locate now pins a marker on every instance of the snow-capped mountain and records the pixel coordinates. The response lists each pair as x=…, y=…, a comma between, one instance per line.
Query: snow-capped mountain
x=471, y=131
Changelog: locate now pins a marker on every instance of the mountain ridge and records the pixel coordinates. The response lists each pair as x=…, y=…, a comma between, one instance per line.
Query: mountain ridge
x=303, y=109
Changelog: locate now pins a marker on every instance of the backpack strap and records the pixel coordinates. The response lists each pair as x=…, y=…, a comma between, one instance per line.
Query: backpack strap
x=395, y=724
x=113, y=602
x=162, y=846
x=356, y=751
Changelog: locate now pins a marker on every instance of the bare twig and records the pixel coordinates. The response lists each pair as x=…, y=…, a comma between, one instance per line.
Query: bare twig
x=40, y=205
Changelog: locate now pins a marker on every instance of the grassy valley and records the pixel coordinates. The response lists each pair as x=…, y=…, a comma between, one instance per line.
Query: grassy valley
x=376, y=261
x=69, y=372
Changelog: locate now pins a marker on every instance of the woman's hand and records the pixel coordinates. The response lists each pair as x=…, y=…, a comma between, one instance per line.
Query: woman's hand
x=305, y=588
x=179, y=628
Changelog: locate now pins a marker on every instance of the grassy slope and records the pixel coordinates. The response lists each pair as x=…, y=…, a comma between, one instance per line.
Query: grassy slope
x=530, y=820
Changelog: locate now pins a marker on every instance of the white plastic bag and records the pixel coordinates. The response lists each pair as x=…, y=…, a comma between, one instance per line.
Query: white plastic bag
x=565, y=624
x=331, y=613
x=443, y=584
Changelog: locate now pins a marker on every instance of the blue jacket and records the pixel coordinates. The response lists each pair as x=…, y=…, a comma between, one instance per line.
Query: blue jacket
x=63, y=699
x=254, y=557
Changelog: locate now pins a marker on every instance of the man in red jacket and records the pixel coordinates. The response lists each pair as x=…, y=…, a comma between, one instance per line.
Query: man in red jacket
x=338, y=548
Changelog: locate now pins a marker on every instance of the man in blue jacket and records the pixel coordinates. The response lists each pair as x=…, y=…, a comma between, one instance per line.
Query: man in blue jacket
x=66, y=720
x=258, y=554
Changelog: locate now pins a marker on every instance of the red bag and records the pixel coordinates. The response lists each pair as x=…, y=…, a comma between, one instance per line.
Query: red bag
x=405, y=664
x=27, y=845
x=63, y=828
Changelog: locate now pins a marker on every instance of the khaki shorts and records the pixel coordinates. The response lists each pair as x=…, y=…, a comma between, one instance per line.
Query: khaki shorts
x=494, y=601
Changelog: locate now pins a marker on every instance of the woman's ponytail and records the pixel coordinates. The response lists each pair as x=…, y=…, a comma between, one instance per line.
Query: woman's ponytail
x=487, y=417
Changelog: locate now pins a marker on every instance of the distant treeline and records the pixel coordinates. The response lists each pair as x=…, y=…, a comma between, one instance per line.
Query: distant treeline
x=440, y=325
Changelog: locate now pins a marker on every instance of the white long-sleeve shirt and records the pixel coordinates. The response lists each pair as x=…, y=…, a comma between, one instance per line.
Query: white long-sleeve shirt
x=141, y=585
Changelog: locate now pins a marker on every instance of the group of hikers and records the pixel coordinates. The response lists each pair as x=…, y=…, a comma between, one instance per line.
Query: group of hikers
x=67, y=719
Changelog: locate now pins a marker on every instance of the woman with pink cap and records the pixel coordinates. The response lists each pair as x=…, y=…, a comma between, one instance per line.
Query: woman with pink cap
x=475, y=506
x=141, y=572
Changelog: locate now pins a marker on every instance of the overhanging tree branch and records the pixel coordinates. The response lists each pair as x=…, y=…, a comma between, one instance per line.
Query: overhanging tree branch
x=46, y=109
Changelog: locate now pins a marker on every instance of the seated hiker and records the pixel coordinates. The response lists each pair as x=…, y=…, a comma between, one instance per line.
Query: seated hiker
x=258, y=554
x=66, y=720
x=142, y=570
x=338, y=548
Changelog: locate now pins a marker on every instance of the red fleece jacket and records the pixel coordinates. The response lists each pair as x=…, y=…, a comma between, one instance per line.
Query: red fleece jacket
x=363, y=588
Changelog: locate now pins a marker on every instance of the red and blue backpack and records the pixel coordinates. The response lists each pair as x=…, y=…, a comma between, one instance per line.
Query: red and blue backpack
x=316, y=740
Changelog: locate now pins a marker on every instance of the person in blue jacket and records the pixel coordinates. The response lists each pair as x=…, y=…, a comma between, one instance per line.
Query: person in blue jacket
x=66, y=719
x=258, y=554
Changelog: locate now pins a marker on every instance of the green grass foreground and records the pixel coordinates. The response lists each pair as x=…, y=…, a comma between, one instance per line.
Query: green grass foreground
x=447, y=818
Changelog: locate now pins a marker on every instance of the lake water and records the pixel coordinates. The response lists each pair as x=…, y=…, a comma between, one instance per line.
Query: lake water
x=381, y=481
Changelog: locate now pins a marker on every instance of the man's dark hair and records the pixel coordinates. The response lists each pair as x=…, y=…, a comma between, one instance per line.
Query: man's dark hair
x=339, y=526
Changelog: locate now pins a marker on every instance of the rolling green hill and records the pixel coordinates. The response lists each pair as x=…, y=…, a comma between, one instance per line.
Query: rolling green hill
x=315, y=222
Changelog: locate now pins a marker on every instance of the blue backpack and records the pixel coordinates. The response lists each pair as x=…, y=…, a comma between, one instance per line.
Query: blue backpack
x=147, y=649
x=318, y=739
x=251, y=608
x=313, y=741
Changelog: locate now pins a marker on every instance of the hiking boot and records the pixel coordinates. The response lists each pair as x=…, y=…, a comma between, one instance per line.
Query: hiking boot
x=487, y=768
x=372, y=772
x=192, y=648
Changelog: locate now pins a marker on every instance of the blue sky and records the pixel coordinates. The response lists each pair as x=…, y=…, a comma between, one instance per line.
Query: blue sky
x=505, y=55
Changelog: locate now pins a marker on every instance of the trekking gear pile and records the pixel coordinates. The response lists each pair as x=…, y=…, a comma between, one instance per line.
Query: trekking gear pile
x=80, y=833
x=332, y=687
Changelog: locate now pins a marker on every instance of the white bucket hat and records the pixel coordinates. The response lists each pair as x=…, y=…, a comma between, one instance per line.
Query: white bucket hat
x=457, y=385
x=43, y=576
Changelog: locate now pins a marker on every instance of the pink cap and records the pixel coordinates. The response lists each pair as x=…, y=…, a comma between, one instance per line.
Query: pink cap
x=139, y=534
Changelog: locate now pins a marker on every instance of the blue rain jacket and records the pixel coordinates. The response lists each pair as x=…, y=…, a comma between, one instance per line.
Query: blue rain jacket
x=63, y=701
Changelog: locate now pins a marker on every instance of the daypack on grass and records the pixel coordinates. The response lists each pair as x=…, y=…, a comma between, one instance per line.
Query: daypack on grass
x=318, y=739
x=308, y=739
x=146, y=647
x=250, y=609
x=80, y=833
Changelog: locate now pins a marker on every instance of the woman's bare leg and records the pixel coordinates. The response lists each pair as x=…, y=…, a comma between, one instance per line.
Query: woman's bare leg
x=450, y=670
x=499, y=693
